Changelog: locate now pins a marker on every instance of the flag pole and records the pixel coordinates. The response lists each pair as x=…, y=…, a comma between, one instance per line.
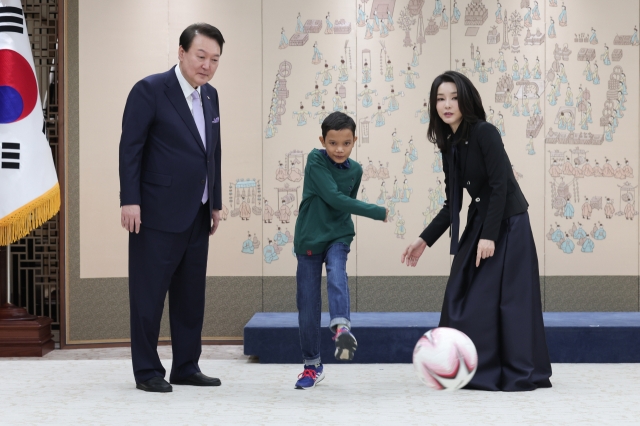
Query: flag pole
x=8, y=273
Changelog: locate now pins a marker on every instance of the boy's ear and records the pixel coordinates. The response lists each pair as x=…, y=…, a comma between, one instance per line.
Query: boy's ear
x=321, y=139
x=355, y=139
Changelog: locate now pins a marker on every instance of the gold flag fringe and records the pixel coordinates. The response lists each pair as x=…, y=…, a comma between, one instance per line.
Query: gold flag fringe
x=22, y=221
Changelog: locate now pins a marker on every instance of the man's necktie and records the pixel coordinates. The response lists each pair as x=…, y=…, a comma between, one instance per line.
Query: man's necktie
x=454, y=194
x=198, y=116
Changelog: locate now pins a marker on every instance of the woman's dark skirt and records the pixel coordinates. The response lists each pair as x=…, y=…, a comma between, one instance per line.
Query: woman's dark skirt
x=498, y=306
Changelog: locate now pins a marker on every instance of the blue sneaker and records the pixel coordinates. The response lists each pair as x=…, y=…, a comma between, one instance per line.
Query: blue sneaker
x=346, y=344
x=310, y=377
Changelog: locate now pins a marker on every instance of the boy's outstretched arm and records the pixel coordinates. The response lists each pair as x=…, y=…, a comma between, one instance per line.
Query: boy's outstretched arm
x=326, y=188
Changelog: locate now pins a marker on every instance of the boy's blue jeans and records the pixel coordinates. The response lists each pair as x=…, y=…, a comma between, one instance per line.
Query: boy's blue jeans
x=309, y=300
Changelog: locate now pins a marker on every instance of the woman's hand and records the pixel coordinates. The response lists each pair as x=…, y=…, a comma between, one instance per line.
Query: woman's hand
x=486, y=248
x=412, y=253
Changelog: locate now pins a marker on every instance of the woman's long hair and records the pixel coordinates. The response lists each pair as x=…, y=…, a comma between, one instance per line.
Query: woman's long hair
x=469, y=103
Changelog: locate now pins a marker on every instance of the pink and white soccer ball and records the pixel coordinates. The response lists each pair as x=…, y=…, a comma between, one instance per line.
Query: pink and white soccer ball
x=445, y=358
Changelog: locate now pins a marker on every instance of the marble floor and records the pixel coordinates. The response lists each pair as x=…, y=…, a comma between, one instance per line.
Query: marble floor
x=95, y=387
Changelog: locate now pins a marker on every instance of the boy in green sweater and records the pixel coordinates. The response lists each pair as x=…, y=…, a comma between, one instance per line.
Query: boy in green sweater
x=324, y=231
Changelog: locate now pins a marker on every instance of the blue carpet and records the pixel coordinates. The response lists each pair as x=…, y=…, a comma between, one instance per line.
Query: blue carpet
x=389, y=337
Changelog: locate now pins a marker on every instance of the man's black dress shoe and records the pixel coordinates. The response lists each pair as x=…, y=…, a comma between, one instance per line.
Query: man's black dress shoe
x=198, y=379
x=156, y=384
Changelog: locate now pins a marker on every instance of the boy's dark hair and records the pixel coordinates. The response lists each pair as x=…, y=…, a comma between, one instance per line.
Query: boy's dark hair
x=338, y=121
x=187, y=36
x=469, y=103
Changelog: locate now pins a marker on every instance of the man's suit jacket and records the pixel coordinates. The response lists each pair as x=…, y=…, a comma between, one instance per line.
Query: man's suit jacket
x=163, y=161
x=486, y=173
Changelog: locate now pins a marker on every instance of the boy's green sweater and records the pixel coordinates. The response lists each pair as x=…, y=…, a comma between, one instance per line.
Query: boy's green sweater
x=328, y=201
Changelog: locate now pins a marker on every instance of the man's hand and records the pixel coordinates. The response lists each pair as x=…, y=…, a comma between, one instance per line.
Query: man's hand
x=215, y=215
x=130, y=218
x=412, y=253
x=386, y=218
x=486, y=248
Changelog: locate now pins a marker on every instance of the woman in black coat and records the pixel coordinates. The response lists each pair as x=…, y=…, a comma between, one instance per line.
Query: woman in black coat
x=493, y=292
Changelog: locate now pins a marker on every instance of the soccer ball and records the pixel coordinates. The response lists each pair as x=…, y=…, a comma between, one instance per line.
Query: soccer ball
x=445, y=358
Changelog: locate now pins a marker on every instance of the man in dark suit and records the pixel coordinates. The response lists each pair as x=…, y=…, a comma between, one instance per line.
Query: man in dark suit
x=170, y=193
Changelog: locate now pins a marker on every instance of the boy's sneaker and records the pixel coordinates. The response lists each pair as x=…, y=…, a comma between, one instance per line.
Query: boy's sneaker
x=310, y=377
x=346, y=344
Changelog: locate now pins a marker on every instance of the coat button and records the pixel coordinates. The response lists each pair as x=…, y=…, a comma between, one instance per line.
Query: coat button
x=202, y=181
x=466, y=143
x=468, y=182
x=478, y=200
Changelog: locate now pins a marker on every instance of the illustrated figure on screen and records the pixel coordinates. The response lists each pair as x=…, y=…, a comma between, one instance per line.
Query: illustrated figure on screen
x=535, y=13
x=280, y=238
x=499, y=14
x=270, y=254
x=502, y=65
x=316, y=96
x=558, y=85
x=295, y=175
x=301, y=116
x=376, y=25
x=322, y=114
x=551, y=32
x=224, y=212
x=410, y=75
x=630, y=210
x=384, y=30
x=343, y=69
x=400, y=228
x=284, y=41
x=586, y=209
x=390, y=26
x=597, y=170
x=329, y=28
x=271, y=129
x=587, y=245
x=433, y=200
x=562, y=74
x=406, y=191
x=367, y=100
x=464, y=70
x=368, y=34
x=428, y=217
x=455, y=16
x=516, y=70
x=608, y=131
x=337, y=102
x=634, y=38
x=537, y=73
x=605, y=56
x=388, y=74
x=477, y=60
x=247, y=245
x=395, y=146
x=415, y=58
x=413, y=151
x=528, y=18
x=609, y=211
x=317, y=55
x=619, y=173
x=568, y=99
x=562, y=19
x=407, y=168
x=553, y=3
x=326, y=74
x=593, y=39
x=383, y=195
x=437, y=10
x=423, y=113
x=515, y=110
x=383, y=171
x=362, y=17
x=267, y=214
x=245, y=210
x=607, y=169
x=444, y=22
x=620, y=101
x=363, y=195
x=284, y=212
x=366, y=73
x=530, y=149
x=397, y=193
x=508, y=99
x=500, y=124
x=628, y=171
x=551, y=97
x=299, y=26
x=567, y=246
x=526, y=74
x=393, y=102
x=379, y=116
x=596, y=75
x=391, y=204
x=589, y=119
x=490, y=115
x=556, y=235
x=483, y=74
x=439, y=192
